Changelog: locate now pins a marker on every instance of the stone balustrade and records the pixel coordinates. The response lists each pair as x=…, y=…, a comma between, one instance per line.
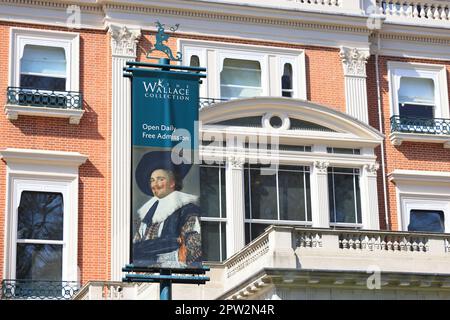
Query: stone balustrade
x=107, y=290
x=430, y=12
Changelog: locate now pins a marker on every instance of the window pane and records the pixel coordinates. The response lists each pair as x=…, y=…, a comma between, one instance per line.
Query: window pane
x=416, y=111
x=40, y=216
x=39, y=262
x=224, y=240
x=416, y=90
x=43, y=83
x=292, y=195
x=43, y=61
x=256, y=230
x=209, y=191
x=263, y=193
x=195, y=61
x=240, y=78
x=286, y=80
x=211, y=241
x=426, y=221
x=344, y=194
x=223, y=192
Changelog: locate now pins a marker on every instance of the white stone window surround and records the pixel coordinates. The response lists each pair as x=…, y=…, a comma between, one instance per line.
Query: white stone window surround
x=44, y=171
x=436, y=72
x=271, y=59
x=415, y=189
x=70, y=42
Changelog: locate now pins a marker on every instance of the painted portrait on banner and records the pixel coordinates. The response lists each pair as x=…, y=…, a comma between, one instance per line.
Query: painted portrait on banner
x=165, y=178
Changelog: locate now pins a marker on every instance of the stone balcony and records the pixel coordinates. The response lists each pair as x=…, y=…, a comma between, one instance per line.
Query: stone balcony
x=296, y=257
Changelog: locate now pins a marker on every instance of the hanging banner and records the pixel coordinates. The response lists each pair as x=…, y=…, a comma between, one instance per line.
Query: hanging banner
x=165, y=174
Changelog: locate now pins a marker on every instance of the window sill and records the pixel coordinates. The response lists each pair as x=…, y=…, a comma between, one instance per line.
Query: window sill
x=13, y=111
x=397, y=138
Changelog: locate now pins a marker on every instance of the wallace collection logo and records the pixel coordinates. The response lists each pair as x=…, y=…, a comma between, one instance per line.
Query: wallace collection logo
x=162, y=89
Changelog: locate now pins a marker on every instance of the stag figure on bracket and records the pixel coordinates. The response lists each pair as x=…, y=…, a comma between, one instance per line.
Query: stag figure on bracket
x=162, y=37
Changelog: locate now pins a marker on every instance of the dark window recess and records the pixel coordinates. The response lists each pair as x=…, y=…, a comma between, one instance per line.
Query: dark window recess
x=286, y=81
x=416, y=111
x=42, y=83
x=252, y=122
x=276, y=122
x=297, y=124
x=426, y=221
x=195, y=61
x=343, y=150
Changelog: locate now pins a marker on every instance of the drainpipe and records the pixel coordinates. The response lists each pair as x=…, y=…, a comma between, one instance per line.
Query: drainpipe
x=383, y=167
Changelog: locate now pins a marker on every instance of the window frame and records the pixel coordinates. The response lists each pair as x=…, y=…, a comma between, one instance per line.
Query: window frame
x=42, y=170
x=358, y=224
x=272, y=60
x=409, y=203
x=221, y=220
x=21, y=185
x=69, y=41
x=247, y=188
x=437, y=73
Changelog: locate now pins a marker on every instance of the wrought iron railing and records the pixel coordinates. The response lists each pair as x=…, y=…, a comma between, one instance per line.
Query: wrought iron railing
x=37, y=290
x=206, y=102
x=44, y=98
x=420, y=125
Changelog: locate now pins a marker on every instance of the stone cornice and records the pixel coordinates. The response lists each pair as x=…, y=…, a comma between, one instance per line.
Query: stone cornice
x=47, y=157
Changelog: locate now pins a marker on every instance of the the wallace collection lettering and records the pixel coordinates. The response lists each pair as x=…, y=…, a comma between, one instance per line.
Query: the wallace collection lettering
x=161, y=89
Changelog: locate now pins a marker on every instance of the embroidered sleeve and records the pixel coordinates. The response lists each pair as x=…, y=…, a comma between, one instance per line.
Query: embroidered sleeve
x=190, y=232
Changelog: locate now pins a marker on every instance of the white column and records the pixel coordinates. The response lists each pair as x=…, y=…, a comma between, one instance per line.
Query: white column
x=234, y=177
x=319, y=195
x=354, y=63
x=123, y=49
x=369, y=197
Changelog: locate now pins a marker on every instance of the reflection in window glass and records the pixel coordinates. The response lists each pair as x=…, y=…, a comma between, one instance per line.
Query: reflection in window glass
x=416, y=97
x=344, y=195
x=40, y=219
x=276, y=194
x=426, y=221
x=43, y=68
x=213, y=212
x=240, y=78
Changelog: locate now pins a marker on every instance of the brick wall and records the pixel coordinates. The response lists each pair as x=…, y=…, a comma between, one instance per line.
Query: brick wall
x=409, y=155
x=91, y=137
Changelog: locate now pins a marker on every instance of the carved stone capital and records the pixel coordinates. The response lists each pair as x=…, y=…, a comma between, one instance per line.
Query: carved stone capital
x=371, y=169
x=321, y=166
x=354, y=61
x=236, y=162
x=124, y=41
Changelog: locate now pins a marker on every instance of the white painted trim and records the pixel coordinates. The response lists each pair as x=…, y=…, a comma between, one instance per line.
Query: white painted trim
x=43, y=170
x=13, y=111
x=397, y=138
x=436, y=72
x=70, y=41
x=214, y=54
x=418, y=177
x=409, y=202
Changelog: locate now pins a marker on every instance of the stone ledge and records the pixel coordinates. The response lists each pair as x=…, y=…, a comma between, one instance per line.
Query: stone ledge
x=13, y=111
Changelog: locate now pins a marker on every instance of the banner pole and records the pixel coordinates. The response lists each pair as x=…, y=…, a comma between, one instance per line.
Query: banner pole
x=165, y=286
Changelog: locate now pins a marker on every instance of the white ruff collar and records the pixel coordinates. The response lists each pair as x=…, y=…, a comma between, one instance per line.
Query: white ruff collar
x=167, y=205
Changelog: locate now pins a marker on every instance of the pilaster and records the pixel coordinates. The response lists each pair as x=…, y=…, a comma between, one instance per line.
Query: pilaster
x=354, y=64
x=319, y=195
x=123, y=49
x=369, y=197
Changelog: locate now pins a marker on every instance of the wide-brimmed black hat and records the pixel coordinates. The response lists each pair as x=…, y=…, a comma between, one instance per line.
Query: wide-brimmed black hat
x=154, y=160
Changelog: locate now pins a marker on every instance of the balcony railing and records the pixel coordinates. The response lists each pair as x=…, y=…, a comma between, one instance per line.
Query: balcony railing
x=426, y=11
x=436, y=126
x=37, y=290
x=44, y=98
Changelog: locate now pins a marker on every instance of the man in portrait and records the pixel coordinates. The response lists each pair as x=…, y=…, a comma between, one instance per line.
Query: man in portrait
x=168, y=227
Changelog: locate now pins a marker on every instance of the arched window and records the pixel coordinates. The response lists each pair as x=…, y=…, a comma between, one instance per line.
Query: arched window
x=195, y=61
x=286, y=81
